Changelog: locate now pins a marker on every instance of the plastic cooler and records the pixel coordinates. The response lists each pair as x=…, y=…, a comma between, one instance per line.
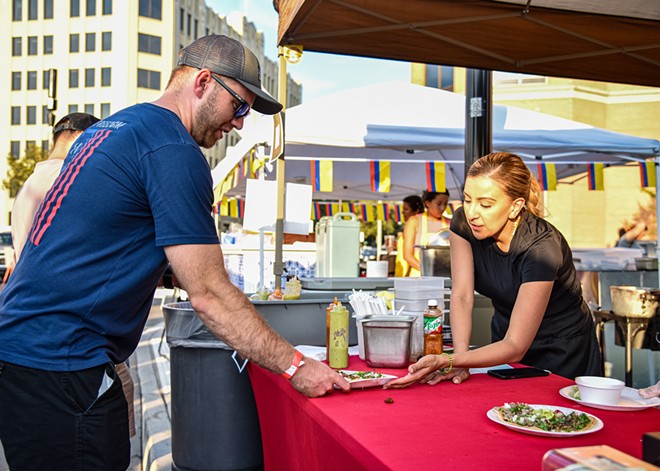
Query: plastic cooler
x=338, y=246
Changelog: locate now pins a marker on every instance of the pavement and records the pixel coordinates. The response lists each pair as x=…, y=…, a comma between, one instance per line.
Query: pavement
x=150, y=369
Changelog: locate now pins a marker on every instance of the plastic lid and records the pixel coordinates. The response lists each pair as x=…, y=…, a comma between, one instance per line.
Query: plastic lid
x=433, y=302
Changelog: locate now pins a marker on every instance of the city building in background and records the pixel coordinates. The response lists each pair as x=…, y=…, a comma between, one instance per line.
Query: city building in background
x=100, y=56
x=586, y=218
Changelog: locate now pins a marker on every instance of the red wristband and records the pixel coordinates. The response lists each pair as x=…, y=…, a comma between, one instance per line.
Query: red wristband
x=297, y=363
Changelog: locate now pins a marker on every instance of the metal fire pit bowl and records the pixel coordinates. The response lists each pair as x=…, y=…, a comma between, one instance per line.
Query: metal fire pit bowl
x=633, y=301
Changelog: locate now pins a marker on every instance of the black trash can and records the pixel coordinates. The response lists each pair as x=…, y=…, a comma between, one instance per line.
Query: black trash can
x=215, y=426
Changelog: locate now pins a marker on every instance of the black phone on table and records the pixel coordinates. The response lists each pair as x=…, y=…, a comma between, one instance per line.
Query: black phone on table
x=518, y=373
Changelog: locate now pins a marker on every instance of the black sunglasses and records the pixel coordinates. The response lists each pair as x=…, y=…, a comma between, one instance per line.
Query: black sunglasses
x=243, y=106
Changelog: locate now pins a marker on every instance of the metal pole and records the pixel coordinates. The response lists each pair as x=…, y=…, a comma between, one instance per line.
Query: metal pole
x=278, y=266
x=478, y=115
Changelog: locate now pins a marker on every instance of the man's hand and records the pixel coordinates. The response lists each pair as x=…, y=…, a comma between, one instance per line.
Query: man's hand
x=315, y=379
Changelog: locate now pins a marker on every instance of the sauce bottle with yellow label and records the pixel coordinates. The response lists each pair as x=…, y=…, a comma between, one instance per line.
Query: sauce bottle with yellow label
x=327, y=327
x=338, y=357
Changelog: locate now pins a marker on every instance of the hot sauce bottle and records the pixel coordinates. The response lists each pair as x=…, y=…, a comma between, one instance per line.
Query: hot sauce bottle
x=327, y=328
x=338, y=357
x=432, y=328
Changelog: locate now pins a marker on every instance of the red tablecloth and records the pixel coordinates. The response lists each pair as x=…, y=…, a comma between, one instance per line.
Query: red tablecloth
x=426, y=427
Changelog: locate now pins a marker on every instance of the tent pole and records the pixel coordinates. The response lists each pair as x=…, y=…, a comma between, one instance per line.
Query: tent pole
x=278, y=266
x=478, y=115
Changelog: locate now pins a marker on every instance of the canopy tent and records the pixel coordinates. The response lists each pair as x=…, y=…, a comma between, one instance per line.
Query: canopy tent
x=605, y=40
x=409, y=125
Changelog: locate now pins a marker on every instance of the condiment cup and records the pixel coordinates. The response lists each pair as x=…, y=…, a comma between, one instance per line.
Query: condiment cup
x=599, y=390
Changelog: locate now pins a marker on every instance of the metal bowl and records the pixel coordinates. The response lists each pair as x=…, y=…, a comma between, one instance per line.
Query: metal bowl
x=646, y=263
x=387, y=340
x=633, y=301
x=434, y=260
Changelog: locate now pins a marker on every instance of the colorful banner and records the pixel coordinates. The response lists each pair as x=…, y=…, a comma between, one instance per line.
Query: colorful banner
x=595, y=180
x=398, y=213
x=547, y=176
x=647, y=173
x=435, y=177
x=321, y=175
x=368, y=212
x=380, y=176
x=381, y=211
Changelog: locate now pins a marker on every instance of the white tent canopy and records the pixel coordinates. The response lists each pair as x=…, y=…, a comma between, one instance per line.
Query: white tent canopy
x=410, y=125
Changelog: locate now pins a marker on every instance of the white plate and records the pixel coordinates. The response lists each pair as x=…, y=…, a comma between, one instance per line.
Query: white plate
x=495, y=417
x=369, y=382
x=630, y=400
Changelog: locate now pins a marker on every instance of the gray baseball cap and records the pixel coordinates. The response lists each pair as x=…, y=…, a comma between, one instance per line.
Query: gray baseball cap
x=228, y=57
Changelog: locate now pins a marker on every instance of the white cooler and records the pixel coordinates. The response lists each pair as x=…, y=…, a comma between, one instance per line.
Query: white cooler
x=338, y=246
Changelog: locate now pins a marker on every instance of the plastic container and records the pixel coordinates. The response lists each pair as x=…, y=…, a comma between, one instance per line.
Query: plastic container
x=338, y=246
x=214, y=422
x=387, y=340
x=599, y=390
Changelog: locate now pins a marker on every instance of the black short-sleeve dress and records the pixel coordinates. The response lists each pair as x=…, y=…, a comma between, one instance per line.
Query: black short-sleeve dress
x=566, y=342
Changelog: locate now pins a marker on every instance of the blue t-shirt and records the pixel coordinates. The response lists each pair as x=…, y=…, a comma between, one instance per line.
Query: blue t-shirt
x=81, y=292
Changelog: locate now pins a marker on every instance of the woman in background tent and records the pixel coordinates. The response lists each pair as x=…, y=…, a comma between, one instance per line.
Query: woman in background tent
x=412, y=205
x=420, y=229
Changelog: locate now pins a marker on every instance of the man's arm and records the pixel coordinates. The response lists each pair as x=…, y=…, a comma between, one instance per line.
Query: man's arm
x=229, y=314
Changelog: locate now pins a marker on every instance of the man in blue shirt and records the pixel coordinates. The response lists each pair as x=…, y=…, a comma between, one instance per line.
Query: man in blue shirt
x=135, y=193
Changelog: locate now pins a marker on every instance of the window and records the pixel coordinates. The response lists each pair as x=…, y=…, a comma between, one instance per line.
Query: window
x=15, y=149
x=32, y=45
x=431, y=76
x=30, y=145
x=195, y=30
x=16, y=46
x=105, y=110
x=73, y=78
x=74, y=6
x=15, y=80
x=149, y=79
x=91, y=7
x=89, y=108
x=74, y=42
x=447, y=78
x=89, y=77
x=45, y=79
x=106, y=41
x=32, y=80
x=17, y=10
x=107, y=7
x=48, y=44
x=16, y=115
x=182, y=15
x=32, y=9
x=72, y=109
x=45, y=146
x=148, y=43
x=151, y=8
x=188, y=25
x=32, y=114
x=90, y=42
x=106, y=76
x=44, y=114
x=48, y=9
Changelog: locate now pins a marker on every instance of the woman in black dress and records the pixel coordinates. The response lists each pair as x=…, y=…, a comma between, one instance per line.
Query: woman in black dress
x=503, y=248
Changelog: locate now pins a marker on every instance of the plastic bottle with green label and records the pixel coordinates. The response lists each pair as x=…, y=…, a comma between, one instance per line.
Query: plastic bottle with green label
x=432, y=329
x=338, y=357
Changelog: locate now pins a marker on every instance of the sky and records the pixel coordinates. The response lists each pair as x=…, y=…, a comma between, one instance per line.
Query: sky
x=320, y=74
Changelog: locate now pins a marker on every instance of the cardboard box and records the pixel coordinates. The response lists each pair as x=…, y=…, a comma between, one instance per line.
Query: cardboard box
x=588, y=458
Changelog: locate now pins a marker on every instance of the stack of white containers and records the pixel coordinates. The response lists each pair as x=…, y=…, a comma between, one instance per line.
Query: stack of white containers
x=412, y=294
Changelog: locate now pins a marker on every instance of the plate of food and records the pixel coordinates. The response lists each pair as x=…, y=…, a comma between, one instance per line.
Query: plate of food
x=365, y=379
x=549, y=421
x=630, y=400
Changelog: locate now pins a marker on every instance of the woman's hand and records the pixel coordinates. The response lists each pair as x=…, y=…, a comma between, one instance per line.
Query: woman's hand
x=424, y=371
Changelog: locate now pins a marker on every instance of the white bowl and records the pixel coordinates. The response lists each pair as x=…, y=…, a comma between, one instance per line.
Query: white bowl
x=599, y=390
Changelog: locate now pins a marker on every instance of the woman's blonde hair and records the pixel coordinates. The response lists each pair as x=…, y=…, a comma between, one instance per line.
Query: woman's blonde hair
x=512, y=176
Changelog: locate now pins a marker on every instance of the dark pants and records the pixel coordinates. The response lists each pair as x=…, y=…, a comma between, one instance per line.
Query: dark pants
x=59, y=421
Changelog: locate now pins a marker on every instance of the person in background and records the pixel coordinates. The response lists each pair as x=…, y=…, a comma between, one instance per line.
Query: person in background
x=412, y=205
x=630, y=235
x=503, y=248
x=420, y=229
x=33, y=192
x=135, y=192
